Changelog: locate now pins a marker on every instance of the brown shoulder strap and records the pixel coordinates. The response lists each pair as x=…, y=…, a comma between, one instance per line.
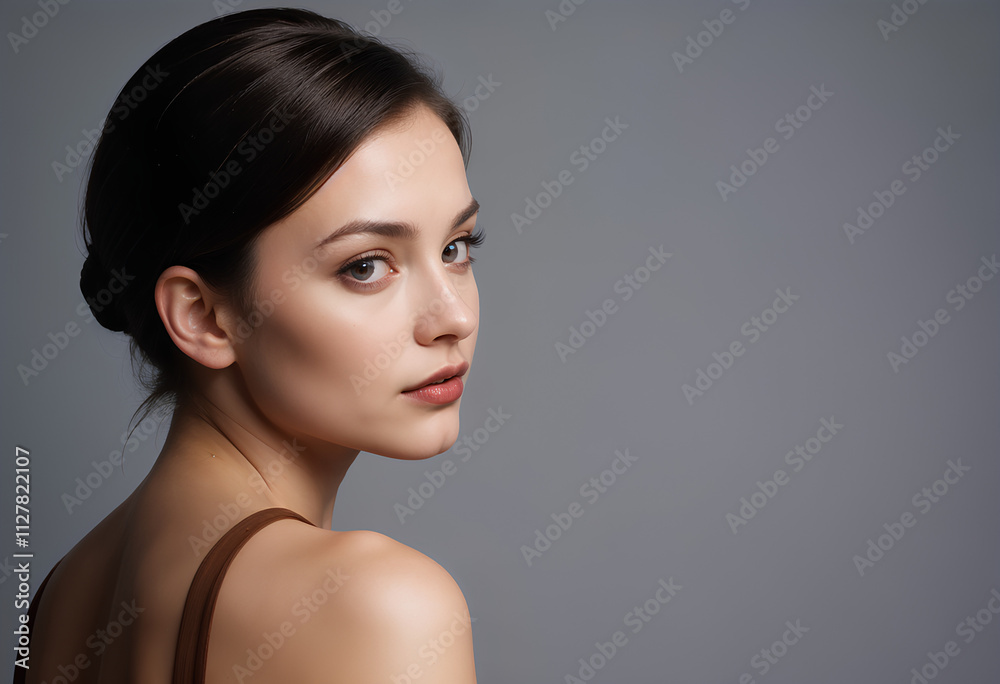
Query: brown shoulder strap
x=191, y=656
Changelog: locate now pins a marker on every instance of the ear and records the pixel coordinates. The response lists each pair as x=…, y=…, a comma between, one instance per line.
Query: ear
x=196, y=318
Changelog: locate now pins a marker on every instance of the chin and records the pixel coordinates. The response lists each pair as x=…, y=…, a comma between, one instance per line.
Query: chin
x=433, y=436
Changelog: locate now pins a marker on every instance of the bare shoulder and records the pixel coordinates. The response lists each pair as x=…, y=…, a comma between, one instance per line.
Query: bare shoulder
x=405, y=617
x=353, y=606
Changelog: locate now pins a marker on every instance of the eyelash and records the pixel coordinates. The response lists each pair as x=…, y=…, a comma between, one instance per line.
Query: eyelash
x=474, y=240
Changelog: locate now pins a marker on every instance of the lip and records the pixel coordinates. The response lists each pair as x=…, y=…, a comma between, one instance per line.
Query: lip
x=442, y=374
x=441, y=394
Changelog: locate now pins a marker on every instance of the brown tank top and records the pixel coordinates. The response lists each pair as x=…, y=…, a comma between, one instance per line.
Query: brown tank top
x=191, y=654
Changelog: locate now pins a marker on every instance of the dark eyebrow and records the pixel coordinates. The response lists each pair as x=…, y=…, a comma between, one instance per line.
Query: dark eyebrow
x=392, y=229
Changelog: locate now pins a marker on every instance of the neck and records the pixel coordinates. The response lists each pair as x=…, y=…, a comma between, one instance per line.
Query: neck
x=253, y=457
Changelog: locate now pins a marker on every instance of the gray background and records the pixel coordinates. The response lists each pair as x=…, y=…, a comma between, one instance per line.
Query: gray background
x=665, y=517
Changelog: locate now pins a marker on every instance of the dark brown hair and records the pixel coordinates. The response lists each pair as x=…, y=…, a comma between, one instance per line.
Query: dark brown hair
x=224, y=131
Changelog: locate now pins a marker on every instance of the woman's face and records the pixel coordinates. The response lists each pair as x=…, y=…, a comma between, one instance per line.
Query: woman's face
x=342, y=342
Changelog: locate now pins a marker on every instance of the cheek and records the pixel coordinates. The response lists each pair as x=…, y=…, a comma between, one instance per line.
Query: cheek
x=317, y=366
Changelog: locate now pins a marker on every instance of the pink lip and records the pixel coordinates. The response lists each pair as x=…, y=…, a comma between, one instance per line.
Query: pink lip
x=443, y=393
x=444, y=373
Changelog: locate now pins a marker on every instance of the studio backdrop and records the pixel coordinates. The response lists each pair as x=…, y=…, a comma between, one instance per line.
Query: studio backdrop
x=733, y=413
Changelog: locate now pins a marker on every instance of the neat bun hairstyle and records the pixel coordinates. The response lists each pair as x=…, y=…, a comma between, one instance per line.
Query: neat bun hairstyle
x=94, y=281
x=225, y=130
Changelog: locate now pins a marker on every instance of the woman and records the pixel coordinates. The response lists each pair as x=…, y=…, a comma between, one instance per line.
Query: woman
x=278, y=216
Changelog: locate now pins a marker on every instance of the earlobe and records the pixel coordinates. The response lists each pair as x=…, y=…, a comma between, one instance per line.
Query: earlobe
x=194, y=316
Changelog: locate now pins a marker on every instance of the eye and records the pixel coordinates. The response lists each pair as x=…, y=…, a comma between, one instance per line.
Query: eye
x=456, y=248
x=363, y=272
x=459, y=251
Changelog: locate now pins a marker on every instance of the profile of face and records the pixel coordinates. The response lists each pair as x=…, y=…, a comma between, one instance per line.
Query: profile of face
x=360, y=318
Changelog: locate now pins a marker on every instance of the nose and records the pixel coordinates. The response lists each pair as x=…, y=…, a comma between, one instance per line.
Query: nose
x=446, y=308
